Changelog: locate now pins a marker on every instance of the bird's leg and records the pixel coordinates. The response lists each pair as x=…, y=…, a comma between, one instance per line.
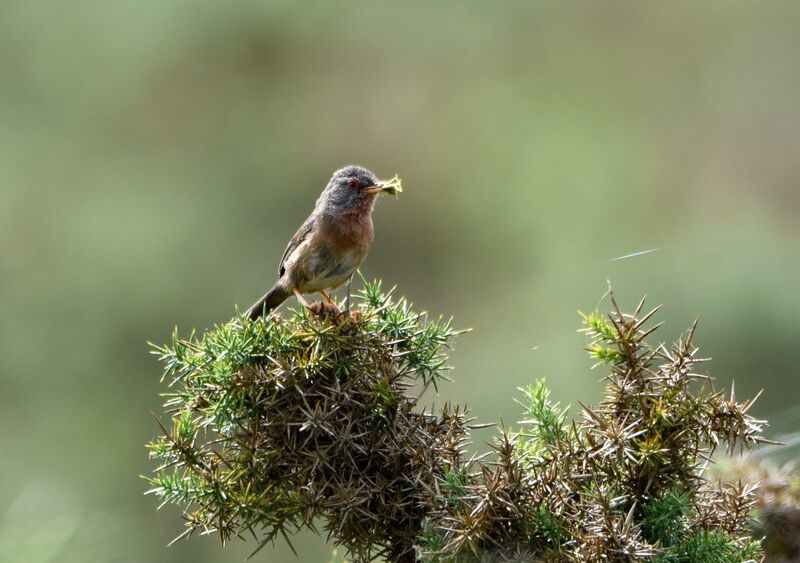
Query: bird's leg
x=300, y=298
x=349, y=284
x=330, y=304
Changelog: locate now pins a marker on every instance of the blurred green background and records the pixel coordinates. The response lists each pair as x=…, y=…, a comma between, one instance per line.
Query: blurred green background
x=155, y=157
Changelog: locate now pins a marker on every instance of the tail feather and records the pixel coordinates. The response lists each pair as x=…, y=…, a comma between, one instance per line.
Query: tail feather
x=271, y=300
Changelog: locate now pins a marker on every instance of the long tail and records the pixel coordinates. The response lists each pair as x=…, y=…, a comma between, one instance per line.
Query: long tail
x=268, y=302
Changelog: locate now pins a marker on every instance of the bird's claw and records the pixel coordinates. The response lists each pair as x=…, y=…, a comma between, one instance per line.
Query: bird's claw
x=325, y=310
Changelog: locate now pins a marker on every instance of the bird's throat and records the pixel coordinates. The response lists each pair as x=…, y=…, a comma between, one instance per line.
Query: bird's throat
x=353, y=226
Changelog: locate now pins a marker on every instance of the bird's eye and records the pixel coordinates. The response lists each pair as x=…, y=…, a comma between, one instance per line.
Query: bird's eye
x=353, y=184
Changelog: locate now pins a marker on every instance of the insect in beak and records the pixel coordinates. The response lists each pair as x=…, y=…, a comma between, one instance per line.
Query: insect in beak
x=391, y=186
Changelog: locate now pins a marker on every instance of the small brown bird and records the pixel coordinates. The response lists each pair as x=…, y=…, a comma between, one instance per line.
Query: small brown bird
x=329, y=247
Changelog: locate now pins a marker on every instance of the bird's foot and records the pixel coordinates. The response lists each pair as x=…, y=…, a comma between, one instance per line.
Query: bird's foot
x=329, y=311
x=323, y=309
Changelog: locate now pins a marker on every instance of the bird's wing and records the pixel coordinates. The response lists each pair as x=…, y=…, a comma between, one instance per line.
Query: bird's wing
x=298, y=238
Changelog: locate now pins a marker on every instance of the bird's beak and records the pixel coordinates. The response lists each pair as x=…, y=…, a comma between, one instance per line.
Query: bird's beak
x=375, y=188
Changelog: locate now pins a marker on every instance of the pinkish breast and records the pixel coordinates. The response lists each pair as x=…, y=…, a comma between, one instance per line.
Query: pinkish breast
x=352, y=229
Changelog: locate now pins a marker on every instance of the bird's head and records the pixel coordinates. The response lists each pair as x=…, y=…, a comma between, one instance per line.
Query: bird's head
x=354, y=188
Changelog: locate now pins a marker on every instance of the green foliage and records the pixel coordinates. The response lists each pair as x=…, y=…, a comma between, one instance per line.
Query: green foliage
x=548, y=526
x=545, y=420
x=453, y=484
x=278, y=424
x=664, y=518
x=624, y=482
x=711, y=547
x=419, y=343
x=601, y=338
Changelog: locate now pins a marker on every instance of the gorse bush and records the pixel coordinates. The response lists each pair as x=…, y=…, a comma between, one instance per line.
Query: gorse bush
x=624, y=482
x=282, y=424
x=277, y=423
x=777, y=506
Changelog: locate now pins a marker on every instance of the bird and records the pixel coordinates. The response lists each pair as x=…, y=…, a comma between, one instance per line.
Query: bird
x=332, y=243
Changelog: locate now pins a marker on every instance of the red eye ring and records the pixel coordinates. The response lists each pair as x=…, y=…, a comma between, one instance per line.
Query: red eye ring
x=352, y=184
